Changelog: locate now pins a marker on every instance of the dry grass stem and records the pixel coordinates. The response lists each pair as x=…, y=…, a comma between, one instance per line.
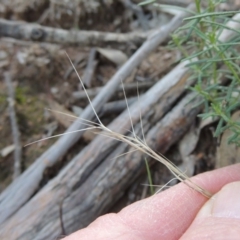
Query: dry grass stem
x=134, y=142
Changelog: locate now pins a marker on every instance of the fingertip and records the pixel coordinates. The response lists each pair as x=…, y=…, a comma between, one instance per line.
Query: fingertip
x=219, y=218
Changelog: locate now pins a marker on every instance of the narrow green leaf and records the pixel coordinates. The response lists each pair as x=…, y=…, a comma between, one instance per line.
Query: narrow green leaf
x=211, y=14
x=219, y=128
x=149, y=177
x=146, y=2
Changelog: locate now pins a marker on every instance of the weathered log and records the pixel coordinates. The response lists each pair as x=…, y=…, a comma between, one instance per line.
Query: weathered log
x=85, y=193
x=21, y=190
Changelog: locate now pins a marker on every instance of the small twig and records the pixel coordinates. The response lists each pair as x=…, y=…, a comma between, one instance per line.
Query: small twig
x=14, y=125
x=36, y=32
x=128, y=87
x=116, y=106
x=90, y=68
x=61, y=219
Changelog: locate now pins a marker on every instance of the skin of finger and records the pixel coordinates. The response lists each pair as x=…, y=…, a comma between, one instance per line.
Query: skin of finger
x=163, y=216
x=219, y=218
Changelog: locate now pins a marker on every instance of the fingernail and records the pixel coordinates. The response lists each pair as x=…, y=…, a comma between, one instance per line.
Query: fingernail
x=226, y=203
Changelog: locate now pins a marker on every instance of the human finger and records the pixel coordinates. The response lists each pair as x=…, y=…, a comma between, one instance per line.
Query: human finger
x=219, y=218
x=163, y=216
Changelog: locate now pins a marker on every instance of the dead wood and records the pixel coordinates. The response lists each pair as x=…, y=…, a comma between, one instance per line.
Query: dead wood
x=20, y=191
x=35, y=32
x=62, y=119
x=81, y=95
x=88, y=192
x=65, y=120
x=90, y=68
x=14, y=125
x=116, y=106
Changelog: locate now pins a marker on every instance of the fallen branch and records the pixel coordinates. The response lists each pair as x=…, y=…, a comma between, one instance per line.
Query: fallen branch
x=14, y=125
x=90, y=68
x=116, y=106
x=35, y=32
x=19, y=192
x=81, y=95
